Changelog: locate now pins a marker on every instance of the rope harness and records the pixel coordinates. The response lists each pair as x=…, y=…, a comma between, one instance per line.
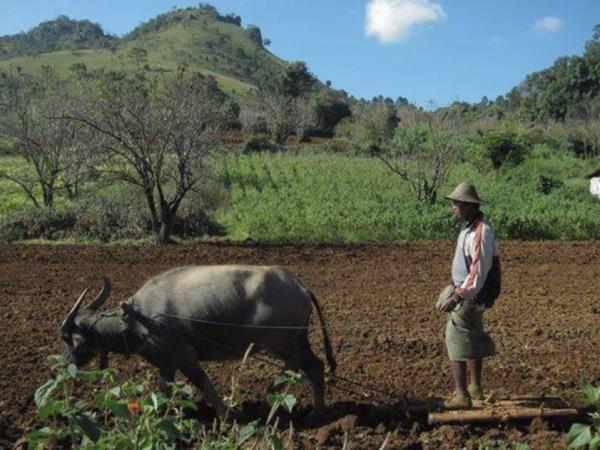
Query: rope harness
x=130, y=310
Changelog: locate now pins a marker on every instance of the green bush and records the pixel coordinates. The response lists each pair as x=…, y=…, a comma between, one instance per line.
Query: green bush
x=505, y=147
x=343, y=130
x=257, y=144
x=546, y=184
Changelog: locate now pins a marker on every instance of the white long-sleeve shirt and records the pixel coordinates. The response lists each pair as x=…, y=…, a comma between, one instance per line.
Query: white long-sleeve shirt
x=475, y=249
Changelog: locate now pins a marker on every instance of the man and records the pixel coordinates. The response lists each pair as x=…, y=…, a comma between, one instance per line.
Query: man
x=475, y=267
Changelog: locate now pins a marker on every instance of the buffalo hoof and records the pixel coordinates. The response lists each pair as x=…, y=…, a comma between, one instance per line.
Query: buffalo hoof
x=318, y=418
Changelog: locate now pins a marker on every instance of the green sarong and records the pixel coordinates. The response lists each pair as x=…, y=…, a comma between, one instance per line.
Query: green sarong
x=465, y=336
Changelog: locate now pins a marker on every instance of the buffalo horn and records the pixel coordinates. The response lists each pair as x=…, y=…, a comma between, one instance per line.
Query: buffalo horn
x=102, y=296
x=74, y=310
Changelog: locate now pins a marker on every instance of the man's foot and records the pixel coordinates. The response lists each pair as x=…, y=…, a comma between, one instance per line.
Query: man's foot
x=476, y=392
x=459, y=400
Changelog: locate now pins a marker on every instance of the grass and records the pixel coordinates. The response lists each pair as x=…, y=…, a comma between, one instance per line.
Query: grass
x=331, y=197
x=12, y=197
x=303, y=195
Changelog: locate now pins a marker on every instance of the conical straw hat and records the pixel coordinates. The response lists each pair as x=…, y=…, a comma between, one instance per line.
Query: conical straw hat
x=464, y=192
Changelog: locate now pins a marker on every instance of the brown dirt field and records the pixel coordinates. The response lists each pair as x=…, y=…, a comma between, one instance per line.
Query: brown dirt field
x=379, y=299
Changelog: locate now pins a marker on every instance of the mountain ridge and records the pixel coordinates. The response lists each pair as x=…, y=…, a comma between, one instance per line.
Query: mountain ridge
x=200, y=37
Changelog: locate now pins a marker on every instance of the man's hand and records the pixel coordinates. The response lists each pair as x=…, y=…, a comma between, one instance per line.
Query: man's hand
x=450, y=303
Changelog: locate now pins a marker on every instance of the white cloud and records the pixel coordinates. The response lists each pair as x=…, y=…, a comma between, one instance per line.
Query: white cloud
x=393, y=20
x=547, y=26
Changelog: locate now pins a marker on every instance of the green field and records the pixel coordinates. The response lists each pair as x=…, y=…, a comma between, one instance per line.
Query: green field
x=308, y=196
x=330, y=197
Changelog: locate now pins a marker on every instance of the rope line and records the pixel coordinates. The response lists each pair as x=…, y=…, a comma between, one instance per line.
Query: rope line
x=356, y=325
x=280, y=366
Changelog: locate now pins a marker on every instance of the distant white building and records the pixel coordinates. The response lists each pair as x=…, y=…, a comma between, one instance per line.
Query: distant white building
x=594, y=178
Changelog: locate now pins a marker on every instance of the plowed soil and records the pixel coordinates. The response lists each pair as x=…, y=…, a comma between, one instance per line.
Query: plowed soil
x=378, y=297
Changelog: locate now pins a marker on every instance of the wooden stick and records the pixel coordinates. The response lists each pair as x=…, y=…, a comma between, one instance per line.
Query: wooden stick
x=496, y=415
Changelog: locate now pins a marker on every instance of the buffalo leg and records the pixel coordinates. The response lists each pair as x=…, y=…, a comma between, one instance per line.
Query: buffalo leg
x=197, y=376
x=313, y=368
x=167, y=375
x=103, y=360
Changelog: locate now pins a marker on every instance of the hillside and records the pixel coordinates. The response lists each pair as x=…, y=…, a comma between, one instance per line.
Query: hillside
x=61, y=33
x=200, y=37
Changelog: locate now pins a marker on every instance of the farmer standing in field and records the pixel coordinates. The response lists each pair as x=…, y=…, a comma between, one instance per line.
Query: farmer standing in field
x=475, y=285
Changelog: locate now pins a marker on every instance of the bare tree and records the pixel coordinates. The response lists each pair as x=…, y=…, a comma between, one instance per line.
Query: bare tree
x=307, y=118
x=280, y=114
x=52, y=148
x=157, y=136
x=422, y=151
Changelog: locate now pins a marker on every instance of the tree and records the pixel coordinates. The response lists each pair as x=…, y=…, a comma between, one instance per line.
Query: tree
x=232, y=18
x=255, y=35
x=52, y=148
x=156, y=134
x=373, y=125
x=586, y=128
x=279, y=114
x=592, y=47
x=330, y=109
x=295, y=81
x=421, y=152
x=283, y=106
x=139, y=55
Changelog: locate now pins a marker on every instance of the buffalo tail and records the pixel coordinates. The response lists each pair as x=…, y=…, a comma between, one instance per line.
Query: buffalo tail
x=327, y=341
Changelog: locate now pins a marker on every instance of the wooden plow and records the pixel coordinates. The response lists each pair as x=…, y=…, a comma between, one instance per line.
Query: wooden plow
x=498, y=411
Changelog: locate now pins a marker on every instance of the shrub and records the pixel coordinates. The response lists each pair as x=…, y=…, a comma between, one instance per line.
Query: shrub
x=194, y=216
x=38, y=223
x=257, y=144
x=505, y=147
x=118, y=214
x=546, y=184
x=343, y=130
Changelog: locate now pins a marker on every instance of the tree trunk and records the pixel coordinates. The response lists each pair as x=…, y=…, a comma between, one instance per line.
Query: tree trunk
x=48, y=194
x=152, y=209
x=163, y=234
x=166, y=226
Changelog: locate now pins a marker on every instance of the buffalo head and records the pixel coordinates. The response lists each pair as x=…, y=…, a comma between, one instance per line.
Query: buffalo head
x=77, y=330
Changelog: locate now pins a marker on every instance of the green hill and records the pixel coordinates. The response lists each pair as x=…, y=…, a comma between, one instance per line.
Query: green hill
x=200, y=37
x=61, y=33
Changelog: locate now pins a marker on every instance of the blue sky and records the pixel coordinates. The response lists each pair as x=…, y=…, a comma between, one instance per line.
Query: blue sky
x=430, y=51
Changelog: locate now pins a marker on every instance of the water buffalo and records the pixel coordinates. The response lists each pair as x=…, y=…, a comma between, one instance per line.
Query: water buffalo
x=203, y=313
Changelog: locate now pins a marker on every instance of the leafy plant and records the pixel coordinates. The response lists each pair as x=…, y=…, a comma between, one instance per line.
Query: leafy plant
x=587, y=435
x=547, y=184
x=122, y=414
